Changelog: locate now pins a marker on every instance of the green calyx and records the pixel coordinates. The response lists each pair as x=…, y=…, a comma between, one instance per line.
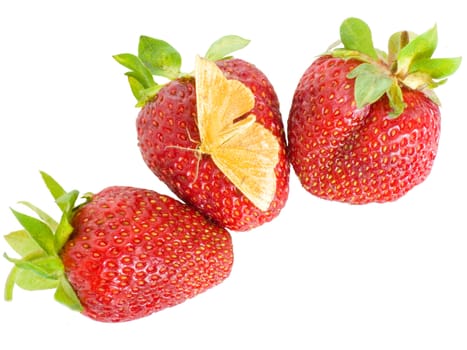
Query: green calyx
x=158, y=58
x=408, y=63
x=38, y=244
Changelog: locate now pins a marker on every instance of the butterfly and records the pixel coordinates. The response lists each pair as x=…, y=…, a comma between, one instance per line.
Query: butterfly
x=243, y=149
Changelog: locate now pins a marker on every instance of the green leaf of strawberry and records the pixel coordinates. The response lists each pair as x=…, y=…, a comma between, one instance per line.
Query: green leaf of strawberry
x=140, y=78
x=371, y=83
x=436, y=68
x=159, y=57
x=31, y=280
x=45, y=266
x=40, y=243
x=42, y=215
x=66, y=295
x=396, y=42
x=39, y=231
x=23, y=243
x=66, y=202
x=138, y=70
x=396, y=99
x=421, y=47
x=356, y=36
x=53, y=186
x=224, y=46
x=155, y=58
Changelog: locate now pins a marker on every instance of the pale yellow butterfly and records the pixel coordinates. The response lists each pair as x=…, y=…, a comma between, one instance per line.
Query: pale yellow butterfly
x=244, y=150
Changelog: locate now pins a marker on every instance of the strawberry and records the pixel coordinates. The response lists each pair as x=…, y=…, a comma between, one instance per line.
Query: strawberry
x=234, y=168
x=122, y=254
x=364, y=126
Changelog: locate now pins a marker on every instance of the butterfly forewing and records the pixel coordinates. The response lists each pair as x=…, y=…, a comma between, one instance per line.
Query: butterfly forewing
x=219, y=101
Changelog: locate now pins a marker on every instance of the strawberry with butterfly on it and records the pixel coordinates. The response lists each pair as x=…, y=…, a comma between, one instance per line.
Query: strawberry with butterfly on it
x=215, y=137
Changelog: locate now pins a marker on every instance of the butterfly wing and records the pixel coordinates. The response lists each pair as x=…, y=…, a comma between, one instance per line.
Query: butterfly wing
x=248, y=159
x=219, y=101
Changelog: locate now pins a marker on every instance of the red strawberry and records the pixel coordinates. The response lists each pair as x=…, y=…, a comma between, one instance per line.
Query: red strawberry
x=123, y=254
x=364, y=126
x=170, y=139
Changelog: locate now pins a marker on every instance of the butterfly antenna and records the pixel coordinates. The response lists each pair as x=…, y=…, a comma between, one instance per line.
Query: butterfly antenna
x=189, y=149
x=198, y=156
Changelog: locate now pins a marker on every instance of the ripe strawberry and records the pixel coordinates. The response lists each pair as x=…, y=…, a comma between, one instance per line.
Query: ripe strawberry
x=123, y=254
x=364, y=126
x=169, y=134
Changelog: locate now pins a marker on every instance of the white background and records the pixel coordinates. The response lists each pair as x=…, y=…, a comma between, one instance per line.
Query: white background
x=323, y=275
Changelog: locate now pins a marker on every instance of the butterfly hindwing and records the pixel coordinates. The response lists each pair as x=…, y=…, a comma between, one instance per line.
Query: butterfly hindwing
x=219, y=100
x=248, y=160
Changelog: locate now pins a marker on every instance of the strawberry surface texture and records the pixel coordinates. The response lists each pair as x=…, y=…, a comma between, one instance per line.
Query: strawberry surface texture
x=134, y=252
